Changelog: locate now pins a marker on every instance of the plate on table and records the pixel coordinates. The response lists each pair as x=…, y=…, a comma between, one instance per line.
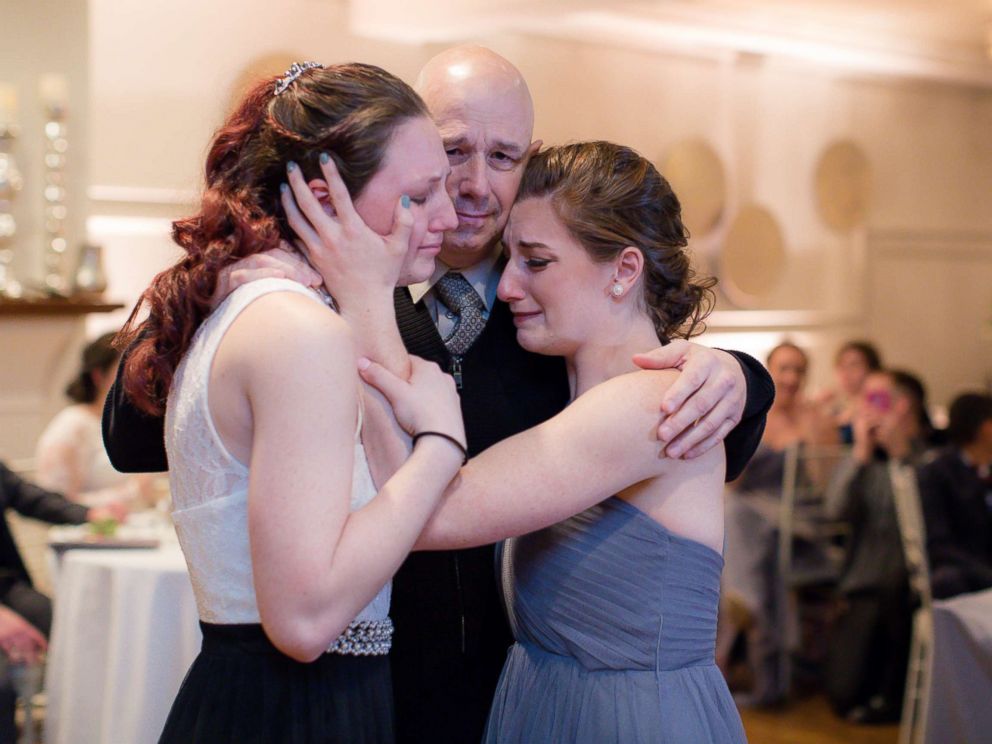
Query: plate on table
x=70, y=538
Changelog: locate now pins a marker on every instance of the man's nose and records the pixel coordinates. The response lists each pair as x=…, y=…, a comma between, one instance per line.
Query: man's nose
x=473, y=182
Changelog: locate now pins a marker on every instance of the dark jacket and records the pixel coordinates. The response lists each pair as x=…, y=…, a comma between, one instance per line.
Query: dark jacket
x=31, y=501
x=957, y=506
x=451, y=630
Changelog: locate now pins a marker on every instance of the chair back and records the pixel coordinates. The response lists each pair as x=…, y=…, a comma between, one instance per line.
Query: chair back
x=912, y=528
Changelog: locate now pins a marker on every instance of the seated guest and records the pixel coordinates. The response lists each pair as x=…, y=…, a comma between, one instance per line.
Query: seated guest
x=866, y=664
x=854, y=361
x=750, y=602
x=956, y=490
x=20, y=643
x=70, y=457
x=25, y=613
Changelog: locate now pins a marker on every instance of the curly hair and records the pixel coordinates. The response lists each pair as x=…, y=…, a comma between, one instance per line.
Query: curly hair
x=610, y=197
x=349, y=111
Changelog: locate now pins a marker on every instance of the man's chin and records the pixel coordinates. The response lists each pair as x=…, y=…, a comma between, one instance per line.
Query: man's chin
x=464, y=253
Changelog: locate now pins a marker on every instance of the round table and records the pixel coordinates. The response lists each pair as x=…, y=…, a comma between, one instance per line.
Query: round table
x=125, y=632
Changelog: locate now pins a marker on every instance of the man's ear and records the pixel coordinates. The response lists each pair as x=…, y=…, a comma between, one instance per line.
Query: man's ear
x=318, y=186
x=535, y=147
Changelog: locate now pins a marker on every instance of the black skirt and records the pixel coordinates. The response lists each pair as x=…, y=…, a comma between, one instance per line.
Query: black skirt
x=242, y=689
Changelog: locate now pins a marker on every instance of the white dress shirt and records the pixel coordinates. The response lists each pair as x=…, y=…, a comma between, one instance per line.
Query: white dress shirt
x=484, y=278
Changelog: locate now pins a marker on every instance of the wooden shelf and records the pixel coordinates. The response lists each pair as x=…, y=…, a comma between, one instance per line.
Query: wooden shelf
x=56, y=307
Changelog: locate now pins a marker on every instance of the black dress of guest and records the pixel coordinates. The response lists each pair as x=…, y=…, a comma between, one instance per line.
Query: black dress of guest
x=957, y=506
x=452, y=635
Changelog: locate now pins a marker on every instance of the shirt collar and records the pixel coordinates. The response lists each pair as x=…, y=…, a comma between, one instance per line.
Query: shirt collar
x=483, y=276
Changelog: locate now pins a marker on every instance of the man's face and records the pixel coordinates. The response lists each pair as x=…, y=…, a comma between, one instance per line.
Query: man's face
x=486, y=136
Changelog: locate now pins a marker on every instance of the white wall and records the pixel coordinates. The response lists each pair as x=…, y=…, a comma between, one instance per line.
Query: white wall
x=160, y=78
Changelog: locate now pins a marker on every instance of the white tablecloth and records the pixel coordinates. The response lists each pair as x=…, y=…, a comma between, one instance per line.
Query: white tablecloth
x=961, y=690
x=124, y=635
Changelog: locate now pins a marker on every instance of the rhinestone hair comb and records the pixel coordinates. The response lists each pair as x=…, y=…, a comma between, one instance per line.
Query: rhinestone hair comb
x=297, y=69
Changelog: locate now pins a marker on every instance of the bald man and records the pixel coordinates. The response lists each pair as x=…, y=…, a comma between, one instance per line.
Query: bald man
x=451, y=631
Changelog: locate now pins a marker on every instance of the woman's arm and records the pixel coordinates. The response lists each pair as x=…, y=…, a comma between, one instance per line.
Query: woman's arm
x=605, y=441
x=315, y=563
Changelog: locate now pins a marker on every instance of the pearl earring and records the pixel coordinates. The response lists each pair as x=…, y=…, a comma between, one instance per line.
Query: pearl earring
x=617, y=289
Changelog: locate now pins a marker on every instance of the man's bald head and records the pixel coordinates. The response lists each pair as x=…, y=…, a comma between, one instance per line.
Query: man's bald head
x=471, y=71
x=483, y=109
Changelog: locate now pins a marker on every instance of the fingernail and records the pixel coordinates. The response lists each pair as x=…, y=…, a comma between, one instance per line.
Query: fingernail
x=290, y=166
x=674, y=452
x=405, y=201
x=363, y=363
x=666, y=433
x=283, y=187
x=324, y=158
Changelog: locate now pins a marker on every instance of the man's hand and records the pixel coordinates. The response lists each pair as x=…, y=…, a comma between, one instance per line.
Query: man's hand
x=706, y=401
x=865, y=428
x=20, y=641
x=282, y=263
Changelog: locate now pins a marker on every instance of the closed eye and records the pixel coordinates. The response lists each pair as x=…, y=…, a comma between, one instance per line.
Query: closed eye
x=537, y=264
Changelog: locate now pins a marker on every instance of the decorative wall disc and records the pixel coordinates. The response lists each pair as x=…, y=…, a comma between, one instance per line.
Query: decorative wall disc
x=697, y=176
x=753, y=259
x=843, y=185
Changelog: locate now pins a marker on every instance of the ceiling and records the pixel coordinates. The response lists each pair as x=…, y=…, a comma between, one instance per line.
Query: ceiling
x=945, y=40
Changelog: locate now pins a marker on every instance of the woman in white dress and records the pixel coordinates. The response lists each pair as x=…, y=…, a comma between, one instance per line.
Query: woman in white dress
x=70, y=457
x=290, y=549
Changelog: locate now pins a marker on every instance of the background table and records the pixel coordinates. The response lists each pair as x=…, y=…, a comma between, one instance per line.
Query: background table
x=124, y=634
x=961, y=688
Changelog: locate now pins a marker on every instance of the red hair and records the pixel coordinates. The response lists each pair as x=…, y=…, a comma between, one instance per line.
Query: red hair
x=349, y=111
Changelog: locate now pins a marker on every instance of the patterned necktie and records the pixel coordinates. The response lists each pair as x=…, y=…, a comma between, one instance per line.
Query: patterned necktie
x=458, y=295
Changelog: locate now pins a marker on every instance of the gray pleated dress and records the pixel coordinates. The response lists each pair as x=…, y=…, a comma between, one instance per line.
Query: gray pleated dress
x=615, y=622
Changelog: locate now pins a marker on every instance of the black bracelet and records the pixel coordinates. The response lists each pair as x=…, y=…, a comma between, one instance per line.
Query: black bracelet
x=450, y=438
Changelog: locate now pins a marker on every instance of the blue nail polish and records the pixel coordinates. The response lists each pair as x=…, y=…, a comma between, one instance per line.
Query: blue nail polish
x=290, y=166
x=324, y=158
x=405, y=201
x=284, y=187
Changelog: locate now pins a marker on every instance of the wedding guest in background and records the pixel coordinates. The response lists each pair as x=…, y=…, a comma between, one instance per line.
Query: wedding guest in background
x=70, y=457
x=866, y=664
x=956, y=490
x=751, y=599
x=26, y=613
x=853, y=362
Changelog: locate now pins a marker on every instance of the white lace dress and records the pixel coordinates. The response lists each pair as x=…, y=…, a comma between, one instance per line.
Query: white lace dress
x=210, y=487
x=241, y=688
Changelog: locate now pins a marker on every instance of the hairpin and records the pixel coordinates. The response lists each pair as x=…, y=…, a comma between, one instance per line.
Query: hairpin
x=295, y=70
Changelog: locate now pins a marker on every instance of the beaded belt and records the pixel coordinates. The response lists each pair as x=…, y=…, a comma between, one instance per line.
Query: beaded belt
x=364, y=638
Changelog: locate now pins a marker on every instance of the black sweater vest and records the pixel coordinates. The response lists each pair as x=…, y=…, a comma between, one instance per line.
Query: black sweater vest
x=451, y=628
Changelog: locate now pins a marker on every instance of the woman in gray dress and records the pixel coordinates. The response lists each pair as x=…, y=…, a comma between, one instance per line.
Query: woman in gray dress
x=613, y=585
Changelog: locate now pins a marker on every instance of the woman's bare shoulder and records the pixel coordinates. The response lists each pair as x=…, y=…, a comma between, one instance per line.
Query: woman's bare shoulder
x=640, y=389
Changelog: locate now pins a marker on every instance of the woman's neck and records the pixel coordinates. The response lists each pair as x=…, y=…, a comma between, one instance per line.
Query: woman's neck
x=609, y=353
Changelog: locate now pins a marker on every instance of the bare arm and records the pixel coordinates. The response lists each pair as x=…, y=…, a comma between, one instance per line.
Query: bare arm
x=315, y=563
x=605, y=441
